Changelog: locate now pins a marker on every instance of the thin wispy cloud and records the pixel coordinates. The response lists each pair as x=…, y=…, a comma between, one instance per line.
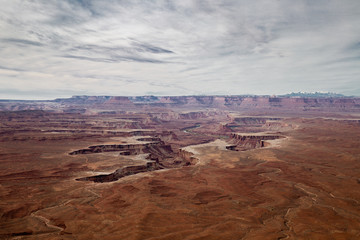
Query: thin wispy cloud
x=120, y=47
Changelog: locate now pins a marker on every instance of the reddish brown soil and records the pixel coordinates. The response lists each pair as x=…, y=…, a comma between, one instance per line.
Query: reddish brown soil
x=302, y=186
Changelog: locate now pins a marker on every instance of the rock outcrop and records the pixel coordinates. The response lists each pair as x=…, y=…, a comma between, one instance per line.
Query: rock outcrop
x=138, y=148
x=243, y=141
x=123, y=172
x=188, y=156
x=160, y=156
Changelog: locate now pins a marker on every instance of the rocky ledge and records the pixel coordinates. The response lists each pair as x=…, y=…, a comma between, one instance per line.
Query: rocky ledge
x=244, y=141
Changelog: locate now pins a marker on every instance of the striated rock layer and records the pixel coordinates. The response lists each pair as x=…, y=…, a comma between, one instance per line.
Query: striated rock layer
x=81, y=104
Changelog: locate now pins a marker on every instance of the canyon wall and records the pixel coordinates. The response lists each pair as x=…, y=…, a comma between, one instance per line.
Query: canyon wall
x=242, y=142
x=81, y=104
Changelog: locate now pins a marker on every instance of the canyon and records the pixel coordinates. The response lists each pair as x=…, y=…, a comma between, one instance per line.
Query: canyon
x=180, y=167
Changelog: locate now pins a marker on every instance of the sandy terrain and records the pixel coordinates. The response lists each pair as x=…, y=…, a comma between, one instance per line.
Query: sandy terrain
x=304, y=185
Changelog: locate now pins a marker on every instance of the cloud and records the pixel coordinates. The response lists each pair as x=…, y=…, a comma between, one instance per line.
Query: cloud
x=113, y=59
x=20, y=41
x=180, y=47
x=142, y=47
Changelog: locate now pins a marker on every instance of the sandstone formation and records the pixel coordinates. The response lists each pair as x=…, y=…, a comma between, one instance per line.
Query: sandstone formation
x=84, y=104
x=242, y=142
x=159, y=156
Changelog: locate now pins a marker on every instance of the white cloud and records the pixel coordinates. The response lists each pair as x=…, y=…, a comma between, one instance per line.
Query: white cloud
x=179, y=47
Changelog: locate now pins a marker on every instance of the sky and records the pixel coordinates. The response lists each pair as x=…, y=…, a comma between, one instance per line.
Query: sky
x=51, y=48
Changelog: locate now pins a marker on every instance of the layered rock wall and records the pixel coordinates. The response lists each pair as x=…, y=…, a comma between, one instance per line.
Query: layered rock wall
x=79, y=103
x=242, y=142
x=188, y=156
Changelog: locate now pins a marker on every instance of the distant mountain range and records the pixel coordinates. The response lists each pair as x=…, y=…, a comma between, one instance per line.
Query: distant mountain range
x=314, y=95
